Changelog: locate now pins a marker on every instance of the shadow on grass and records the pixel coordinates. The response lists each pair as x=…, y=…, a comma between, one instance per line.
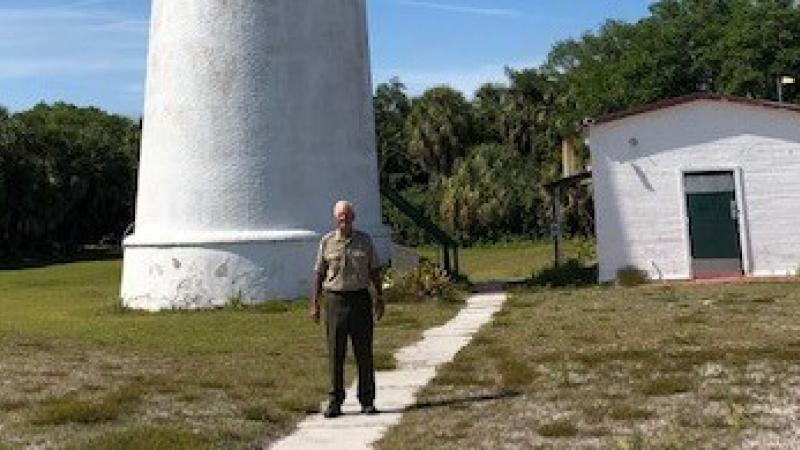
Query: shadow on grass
x=573, y=273
x=488, y=287
x=443, y=403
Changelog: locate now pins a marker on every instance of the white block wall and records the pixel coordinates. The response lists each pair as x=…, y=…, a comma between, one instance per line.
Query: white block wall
x=638, y=164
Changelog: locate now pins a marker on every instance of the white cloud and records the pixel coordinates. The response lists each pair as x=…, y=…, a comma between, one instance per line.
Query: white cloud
x=461, y=9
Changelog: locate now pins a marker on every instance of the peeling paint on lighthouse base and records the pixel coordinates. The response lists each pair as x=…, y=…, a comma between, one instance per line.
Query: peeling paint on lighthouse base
x=200, y=275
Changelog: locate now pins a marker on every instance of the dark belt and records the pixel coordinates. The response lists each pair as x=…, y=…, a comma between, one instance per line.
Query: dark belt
x=348, y=293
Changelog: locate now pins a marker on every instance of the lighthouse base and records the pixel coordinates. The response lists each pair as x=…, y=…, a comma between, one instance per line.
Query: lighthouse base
x=213, y=271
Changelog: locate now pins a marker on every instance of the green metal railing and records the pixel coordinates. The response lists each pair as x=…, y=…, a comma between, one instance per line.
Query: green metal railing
x=448, y=245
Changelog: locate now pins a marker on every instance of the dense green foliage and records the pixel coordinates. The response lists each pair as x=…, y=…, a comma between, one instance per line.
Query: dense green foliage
x=736, y=47
x=439, y=129
x=67, y=178
x=486, y=160
x=489, y=195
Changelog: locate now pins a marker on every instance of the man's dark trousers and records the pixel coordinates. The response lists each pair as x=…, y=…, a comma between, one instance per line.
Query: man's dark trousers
x=350, y=314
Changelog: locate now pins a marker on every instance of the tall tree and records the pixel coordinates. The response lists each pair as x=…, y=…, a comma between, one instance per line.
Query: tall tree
x=534, y=115
x=488, y=112
x=761, y=44
x=440, y=129
x=735, y=47
x=71, y=174
x=392, y=108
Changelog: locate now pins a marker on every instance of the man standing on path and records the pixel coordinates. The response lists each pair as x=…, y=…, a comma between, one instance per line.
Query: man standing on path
x=346, y=264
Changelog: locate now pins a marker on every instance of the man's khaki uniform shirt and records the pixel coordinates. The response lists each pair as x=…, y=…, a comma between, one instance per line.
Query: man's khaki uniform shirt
x=346, y=262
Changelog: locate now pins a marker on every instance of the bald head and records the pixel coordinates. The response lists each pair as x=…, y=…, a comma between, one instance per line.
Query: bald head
x=343, y=216
x=343, y=206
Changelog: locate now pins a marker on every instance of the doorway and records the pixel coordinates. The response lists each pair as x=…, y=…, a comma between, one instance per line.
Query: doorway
x=714, y=229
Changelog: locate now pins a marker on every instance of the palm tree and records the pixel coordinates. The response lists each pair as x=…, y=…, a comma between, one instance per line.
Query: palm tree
x=488, y=111
x=440, y=129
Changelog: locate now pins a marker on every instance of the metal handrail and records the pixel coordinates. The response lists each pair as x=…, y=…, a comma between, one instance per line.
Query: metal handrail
x=418, y=217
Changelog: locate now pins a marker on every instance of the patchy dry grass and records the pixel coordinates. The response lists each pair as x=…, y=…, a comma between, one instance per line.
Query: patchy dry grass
x=74, y=409
x=627, y=412
x=668, y=385
x=145, y=437
x=76, y=371
x=559, y=428
x=658, y=366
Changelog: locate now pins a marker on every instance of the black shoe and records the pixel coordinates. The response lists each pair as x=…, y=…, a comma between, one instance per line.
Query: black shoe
x=334, y=410
x=369, y=409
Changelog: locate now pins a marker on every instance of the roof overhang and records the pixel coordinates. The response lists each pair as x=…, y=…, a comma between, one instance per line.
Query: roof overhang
x=707, y=96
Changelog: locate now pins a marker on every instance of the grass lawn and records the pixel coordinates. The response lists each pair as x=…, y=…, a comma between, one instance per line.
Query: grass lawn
x=511, y=261
x=76, y=371
x=658, y=366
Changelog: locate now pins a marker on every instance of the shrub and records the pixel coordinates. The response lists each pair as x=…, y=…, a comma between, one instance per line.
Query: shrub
x=572, y=273
x=629, y=276
x=428, y=281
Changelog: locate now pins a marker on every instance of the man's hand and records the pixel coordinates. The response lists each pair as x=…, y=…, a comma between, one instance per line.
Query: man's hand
x=377, y=283
x=315, y=296
x=314, y=313
x=379, y=308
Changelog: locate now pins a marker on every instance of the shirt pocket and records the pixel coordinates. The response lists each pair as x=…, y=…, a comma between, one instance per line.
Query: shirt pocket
x=334, y=261
x=360, y=263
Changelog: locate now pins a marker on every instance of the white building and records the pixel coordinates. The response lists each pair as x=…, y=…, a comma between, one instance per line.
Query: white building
x=698, y=186
x=258, y=117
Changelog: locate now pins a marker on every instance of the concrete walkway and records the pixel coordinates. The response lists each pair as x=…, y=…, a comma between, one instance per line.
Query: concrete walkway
x=396, y=389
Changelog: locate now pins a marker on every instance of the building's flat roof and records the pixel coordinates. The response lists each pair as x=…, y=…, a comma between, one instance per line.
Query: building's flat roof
x=691, y=98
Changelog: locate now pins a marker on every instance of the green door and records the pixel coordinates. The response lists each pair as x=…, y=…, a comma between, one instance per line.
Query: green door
x=713, y=224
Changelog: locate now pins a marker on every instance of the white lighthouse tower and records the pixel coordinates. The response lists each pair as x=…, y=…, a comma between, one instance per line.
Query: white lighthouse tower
x=258, y=117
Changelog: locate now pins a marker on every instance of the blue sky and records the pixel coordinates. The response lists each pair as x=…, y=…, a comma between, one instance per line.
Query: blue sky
x=93, y=52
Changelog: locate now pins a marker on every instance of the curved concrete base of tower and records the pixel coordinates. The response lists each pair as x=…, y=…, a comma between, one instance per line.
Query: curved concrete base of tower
x=213, y=271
